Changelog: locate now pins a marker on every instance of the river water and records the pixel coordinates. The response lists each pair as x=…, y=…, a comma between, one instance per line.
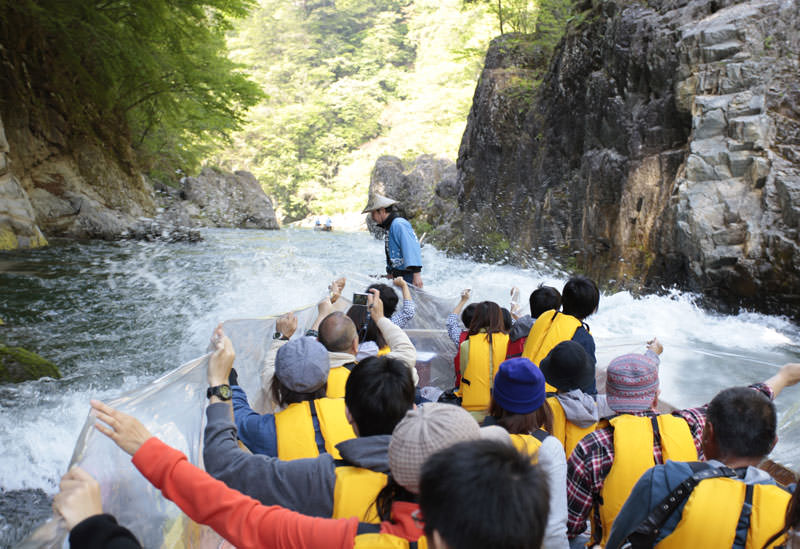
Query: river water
x=116, y=315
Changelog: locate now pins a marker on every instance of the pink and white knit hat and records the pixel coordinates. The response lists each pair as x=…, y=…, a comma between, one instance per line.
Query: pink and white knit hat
x=632, y=383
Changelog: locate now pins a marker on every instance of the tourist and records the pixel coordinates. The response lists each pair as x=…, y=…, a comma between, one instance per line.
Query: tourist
x=606, y=464
x=481, y=354
x=579, y=299
x=308, y=423
x=696, y=504
x=403, y=254
x=518, y=405
x=454, y=331
x=575, y=411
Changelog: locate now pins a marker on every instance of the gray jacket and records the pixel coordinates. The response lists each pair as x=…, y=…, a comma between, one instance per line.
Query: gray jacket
x=303, y=485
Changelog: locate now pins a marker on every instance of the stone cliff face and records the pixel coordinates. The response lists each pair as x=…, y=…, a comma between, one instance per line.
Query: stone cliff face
x=78, y=185
x=54, y=182
x=661, y=147
x=18, y=227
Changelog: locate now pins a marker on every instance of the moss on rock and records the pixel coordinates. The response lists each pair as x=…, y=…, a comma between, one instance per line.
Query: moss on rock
x=18, y=364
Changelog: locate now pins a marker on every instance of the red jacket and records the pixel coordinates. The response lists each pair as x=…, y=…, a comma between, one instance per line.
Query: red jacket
x=245, y=522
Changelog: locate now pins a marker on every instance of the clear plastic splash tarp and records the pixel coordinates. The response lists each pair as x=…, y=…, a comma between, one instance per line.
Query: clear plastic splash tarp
x=172, y=407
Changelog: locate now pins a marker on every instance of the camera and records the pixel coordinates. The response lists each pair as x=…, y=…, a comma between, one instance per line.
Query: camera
x=360, y=299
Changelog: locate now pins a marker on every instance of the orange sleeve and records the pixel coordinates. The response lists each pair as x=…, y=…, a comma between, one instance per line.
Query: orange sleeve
x=240, y=519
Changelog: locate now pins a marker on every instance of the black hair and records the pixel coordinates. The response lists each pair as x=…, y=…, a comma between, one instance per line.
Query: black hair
x=744, y=422
x=388, y=296
x=507, y=320
x=489, y=317
x=283, y=396
x=336, y=332
x=468, y=313
x=390, y=493
x=366, y=327
x=580, y=297
x=484, y=493
x=379, y=391
x=544, y=298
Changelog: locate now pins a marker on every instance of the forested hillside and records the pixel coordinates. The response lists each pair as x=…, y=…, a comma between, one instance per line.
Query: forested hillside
x=347, y=81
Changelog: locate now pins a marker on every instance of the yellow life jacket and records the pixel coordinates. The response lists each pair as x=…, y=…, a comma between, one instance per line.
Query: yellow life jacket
x=711, y=515
x=530, y=444
x=567, y=432
x=385, y=350
x=294, y=428
x=482, y=364
x=337, y=379
x=550, y=329
x=633, y=455
x=355, y=491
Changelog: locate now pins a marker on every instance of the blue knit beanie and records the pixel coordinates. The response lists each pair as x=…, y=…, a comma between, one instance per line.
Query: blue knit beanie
x=519, y=386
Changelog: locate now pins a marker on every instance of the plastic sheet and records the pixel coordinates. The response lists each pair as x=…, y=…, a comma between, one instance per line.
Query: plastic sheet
x=172, y=407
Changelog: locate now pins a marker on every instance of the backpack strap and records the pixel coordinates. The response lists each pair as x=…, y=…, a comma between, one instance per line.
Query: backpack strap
x=368, y=528
x=540, y=434
x=646, y=533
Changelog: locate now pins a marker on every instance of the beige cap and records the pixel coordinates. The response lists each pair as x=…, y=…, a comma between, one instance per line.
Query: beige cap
x=377, y=202
x=426, y=430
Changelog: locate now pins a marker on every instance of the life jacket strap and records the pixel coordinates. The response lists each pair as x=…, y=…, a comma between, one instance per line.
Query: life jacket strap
x=646, y=533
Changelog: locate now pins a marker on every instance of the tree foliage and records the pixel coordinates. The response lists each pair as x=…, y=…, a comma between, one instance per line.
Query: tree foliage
x=347, y=81
x=156, y=71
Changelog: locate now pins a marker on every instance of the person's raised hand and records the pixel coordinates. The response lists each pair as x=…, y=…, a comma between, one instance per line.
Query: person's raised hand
x=126, y=431
x=286, y=325
x=336, y=288
x=655, y=346
x=465, y=294
x=79, y=497
x=400, y=282
x=221, y=361
x=375, y=304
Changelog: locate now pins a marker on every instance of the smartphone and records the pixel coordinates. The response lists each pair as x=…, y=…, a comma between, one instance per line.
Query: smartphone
x=360, y=299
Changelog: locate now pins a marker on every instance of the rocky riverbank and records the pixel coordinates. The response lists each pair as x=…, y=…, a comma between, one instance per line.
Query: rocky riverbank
x=54, y=183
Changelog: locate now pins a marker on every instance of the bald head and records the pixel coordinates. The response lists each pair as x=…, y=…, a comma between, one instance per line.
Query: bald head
x=337, y=332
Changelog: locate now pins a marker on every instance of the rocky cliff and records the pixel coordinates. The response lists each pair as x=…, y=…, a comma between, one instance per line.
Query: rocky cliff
x=661, y=146
x=57, y=181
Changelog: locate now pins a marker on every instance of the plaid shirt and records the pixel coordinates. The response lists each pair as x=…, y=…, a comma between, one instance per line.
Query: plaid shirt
x=591, y=461
x=403, y=316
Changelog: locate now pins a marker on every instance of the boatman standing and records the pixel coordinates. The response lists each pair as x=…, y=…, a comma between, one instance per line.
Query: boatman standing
x=403, y=257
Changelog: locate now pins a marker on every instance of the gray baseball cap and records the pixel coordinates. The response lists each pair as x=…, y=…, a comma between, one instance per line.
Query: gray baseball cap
x=302, y=365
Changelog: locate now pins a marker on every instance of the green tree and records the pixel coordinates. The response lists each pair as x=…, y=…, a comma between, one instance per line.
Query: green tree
x=152, y=72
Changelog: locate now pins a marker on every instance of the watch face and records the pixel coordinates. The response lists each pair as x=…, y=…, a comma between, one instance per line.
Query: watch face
x=224, y=392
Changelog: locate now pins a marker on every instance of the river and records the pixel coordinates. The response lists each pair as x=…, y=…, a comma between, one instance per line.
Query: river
x=116, y=315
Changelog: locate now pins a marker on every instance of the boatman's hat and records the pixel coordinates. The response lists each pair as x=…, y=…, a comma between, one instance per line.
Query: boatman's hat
x=376, y=202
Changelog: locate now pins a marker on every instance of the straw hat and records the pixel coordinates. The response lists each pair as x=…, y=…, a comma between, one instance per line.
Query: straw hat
x=376, y=202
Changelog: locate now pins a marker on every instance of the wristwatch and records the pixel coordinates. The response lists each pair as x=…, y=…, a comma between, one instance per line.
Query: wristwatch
x=221, y=391
x=278, y=335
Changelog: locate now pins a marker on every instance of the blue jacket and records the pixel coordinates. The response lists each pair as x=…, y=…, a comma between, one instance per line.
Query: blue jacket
x=650, y=490
x=257, y=431
x=402, y=247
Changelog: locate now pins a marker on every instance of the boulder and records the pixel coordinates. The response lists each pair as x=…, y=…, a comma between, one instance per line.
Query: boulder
x=223, y=199
x=18, y=364
x=426, y=190
x=661, y=149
